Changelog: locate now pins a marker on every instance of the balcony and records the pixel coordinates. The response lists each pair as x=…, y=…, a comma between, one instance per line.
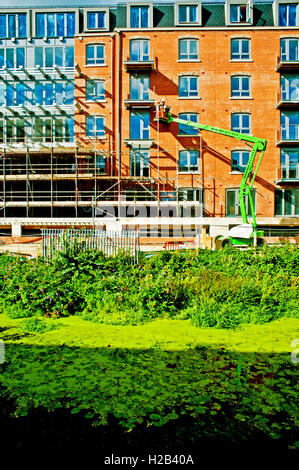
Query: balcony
x=287, y=96
x=139, y=63
x=140, y=99
x=287, y=174
x=288, y=135
x=287, y=64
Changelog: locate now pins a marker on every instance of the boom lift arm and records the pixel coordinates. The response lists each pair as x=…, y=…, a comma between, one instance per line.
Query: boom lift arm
x=258, y=145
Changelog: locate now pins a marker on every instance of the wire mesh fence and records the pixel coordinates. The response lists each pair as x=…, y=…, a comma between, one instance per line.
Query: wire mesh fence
x=109, y=242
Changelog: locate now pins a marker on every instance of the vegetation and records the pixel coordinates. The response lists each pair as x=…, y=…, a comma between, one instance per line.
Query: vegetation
x=221, y=289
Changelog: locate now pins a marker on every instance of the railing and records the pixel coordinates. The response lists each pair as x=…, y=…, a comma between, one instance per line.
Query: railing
x=288, y=133
x=14, y=169
x=288, y=172
x=287, y=93
x=110, y=243
x=288, y=60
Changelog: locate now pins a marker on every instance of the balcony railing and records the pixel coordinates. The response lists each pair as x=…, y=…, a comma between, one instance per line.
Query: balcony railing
x=288, y=173
x=288, y=134
x=141, y=63
x=288, y=96
x=141, y=99
x=19, y=169
x=287, y=63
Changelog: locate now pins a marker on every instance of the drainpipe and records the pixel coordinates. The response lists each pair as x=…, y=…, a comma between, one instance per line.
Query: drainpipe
x=118, y=130
x=112, y=101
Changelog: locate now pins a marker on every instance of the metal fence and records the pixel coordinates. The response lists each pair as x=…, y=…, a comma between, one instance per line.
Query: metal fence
x=110, y=243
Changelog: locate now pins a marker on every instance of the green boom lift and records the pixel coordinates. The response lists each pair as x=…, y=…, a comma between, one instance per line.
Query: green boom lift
x=245, y=234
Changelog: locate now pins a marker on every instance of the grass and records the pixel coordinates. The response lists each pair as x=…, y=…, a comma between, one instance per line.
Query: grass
x=166, y=334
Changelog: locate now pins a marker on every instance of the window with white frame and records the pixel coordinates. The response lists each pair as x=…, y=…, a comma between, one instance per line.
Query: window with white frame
x=188, y=86
x=55, y=24
x=187, y=14
x=13, y=25
x=57, y=129
x=139, y=87
x=139, y=50
x=188, y=49
x=95, y=54
x=289, y=121
x=12, y=57
x=13, y=94
x=191, y=194
x=95, y=90
x=139, y=124
x=239, y=160
x=188, y=161
x=240, y=49
x=139, y=162
x=232, y=204
x=287, y=14
x=241, y=122
x=184, y=129
x=289, y=163
x=95, y=126
x=54, y=93
x=289, y=50
x=287, y=202
x=139, y=16
x=96, y=19
x=238, y=13
x=289, y=87
x=54, y=56
x=240, y=86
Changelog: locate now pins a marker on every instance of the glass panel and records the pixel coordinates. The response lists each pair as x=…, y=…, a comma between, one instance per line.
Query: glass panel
x=90, y=52
x=231, y=197
x=38, y=130
x=293, y=49
x=49, y=93
x=69, y=93
x=100, y=55
x=100, y=127
x=58, y=130
x=12, y=26
x=183, y=161
x=20, y=57
x=58, y=56
x=296, y=201
x=101, y=19
x=59, y=93
x=183, y=49
x=144, y=17
x=20, y=125
x=192, y=14
x=22, y=25
x=60, y=24
x=9, y=95
x=193, y=86
x=91, y=20
x=3, y=33
x=70, y=24
x=48, y=133
x=188, y=130
x=100, y=87
x=282, y=21
x=235, y=45
x=193, y=49
x=49, y=56
x=39, y=62
x=1, y=57
x=2, y=94
x=69, y=130
x=135, y=126
x=1, y=131
x=234, y=13
x=69, y=56
x=288, y=202
x=10, y=58
x=245, y=86
x=90, y=125
x=182, y=14
x=90, y=90
x=292, y=15
x=39, y=89
x=183, y=86
x=9, y=130
x=50, y=25
x=20, y=92
x=245, y=48
x=135, y=12
x=40, y=25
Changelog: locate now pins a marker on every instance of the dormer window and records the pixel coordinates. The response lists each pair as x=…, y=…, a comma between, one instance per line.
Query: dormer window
x=96, y=19
x=55, y=24
x=140, y=15
x=238, y=13
x=287, y=13
x=187, y=13
x=13, y=25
